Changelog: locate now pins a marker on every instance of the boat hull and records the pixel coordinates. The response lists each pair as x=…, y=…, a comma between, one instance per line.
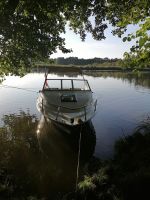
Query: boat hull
x=67, y=113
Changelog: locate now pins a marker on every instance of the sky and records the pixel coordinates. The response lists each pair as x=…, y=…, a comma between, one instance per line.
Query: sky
x=111, y=47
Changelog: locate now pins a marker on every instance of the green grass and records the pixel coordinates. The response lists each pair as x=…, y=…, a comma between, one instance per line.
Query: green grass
x=127, y=175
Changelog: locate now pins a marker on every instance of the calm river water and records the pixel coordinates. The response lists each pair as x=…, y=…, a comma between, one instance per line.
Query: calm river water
x=50, y=153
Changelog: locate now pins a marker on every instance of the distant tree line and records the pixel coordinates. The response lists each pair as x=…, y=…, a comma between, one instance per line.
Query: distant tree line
x=82, y=61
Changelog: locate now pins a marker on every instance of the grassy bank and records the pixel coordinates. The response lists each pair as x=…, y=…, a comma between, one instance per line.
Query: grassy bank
x=103, y=67
x=126, y=176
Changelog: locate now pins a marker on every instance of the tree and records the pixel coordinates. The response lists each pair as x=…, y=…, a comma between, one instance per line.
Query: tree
x=30, y=30
x=136, y=12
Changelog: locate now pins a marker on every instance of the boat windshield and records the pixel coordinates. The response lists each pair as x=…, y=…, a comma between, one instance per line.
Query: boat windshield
x=66, y=84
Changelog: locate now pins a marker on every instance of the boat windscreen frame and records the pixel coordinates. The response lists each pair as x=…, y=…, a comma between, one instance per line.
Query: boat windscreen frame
x=72, y=88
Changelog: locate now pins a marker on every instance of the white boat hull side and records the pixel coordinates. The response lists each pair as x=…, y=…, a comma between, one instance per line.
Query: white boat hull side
x=70, y=113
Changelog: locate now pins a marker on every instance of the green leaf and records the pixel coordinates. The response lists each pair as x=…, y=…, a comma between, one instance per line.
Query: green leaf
x=124, y=39
x=129, y=39
x=142, y=41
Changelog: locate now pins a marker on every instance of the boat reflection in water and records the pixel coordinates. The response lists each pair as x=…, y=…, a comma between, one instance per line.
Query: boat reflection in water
x=59, y=146
x=39, y=158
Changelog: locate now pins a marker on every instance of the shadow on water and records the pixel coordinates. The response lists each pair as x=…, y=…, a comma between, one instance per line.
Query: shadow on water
x=39, y=158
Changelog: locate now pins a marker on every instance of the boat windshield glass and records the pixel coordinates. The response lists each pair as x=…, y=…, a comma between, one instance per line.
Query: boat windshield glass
x=66, y=84
x=81, y=85
x=52, y=84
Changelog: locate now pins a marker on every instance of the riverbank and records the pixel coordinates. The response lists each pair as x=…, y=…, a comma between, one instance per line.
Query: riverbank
x=126, y=176
x=89, y=67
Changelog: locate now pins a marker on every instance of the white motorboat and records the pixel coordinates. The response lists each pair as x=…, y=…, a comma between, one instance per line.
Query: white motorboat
x=66, y=101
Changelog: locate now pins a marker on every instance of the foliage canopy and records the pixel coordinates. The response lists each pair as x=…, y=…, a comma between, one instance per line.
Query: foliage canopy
x=31, y=30
x=137, y=13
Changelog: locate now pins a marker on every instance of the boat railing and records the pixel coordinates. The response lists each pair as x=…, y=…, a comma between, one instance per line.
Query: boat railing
x=77, y=108
x=82, y=108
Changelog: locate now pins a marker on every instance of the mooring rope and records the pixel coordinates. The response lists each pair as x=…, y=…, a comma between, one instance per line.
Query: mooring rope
x=78, y=161
x=26, y=89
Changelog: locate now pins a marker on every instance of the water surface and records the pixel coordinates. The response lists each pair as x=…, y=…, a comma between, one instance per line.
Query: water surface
x=48, y=153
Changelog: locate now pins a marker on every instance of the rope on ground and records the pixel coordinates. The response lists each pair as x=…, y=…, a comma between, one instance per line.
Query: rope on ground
x=26, y=89
x=78, y=161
